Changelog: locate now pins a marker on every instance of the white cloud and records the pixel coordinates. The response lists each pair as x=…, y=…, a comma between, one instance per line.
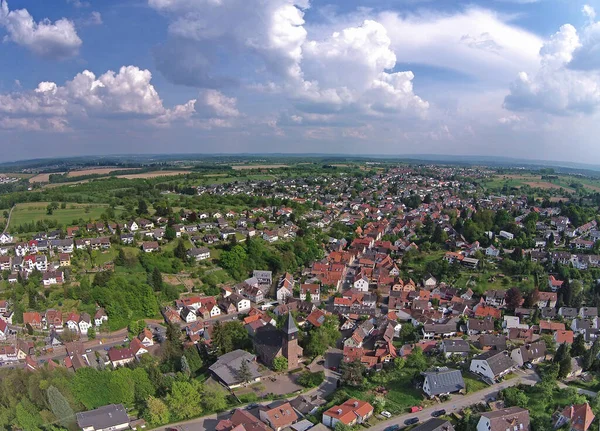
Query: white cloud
x=51, y=40
x=589, y=11
x=476, y=42
x=565, y=82
x=270, y=32
x=219, y=104
x=126, y=94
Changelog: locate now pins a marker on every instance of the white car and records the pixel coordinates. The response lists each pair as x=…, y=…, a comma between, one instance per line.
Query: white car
x=386, y=414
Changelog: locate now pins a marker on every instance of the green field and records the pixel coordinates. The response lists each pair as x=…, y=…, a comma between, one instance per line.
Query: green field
x=33, y=212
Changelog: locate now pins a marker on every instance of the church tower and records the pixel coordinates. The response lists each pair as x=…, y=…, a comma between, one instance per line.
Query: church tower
x=291, y=350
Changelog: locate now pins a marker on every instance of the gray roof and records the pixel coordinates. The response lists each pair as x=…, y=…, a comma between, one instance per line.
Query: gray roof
x=290, y=326
x=456, y=345
x=228, y=365
x=444, y=380
x=499, y=362
x=435, y=425
x=103, y=417
x=533, y=351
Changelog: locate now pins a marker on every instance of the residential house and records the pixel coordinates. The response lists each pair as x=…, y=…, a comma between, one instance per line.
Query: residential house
x=561, y=337
x=100, y=317
x=350, y=413
x=279, y=417
x=313, y=289
x=52, y=277
x=119, y=357
x=85, y=323
x=492, y=364
x=455, y=346
x=32, y=318
x=480, y=326
x=545, y=299
x=198, y=254
x=529, y=353
x=495, y=298
x=578, y=416
x=554, y=284
x=442, y=381
x=150, y=246
x=112, y=417
x=511, y=419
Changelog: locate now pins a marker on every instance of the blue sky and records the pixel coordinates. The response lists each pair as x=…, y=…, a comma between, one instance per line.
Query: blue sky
x=518, y=78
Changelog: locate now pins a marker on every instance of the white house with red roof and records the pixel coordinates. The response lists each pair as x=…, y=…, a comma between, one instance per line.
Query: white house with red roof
x=578, y=416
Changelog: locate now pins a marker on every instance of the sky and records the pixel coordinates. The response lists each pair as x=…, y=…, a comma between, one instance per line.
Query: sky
x=510, y=78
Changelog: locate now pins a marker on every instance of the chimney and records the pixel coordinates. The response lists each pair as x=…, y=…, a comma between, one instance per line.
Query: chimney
x=339, y=411
x=355, y=403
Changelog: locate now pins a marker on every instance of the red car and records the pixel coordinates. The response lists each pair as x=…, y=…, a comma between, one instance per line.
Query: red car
x=415, y=409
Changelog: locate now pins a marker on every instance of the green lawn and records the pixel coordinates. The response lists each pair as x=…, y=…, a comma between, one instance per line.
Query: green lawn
x=402, y=394
x=33, y=212
x=473, y=383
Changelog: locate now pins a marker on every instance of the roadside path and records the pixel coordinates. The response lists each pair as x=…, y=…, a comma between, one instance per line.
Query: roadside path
x=456, y=403
x=8, y=219
x=580, y=391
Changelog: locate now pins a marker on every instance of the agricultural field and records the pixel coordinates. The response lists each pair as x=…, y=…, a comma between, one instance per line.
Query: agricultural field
x=96, y=171
x=32, y=212
x=155, y=174
x=245, y=167
x=43, y=178
x=534, y=180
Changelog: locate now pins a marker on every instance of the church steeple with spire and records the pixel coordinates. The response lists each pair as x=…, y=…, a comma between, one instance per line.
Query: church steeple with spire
x=291, y=350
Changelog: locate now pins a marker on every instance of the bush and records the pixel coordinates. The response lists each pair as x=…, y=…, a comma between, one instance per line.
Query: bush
x=311, y=380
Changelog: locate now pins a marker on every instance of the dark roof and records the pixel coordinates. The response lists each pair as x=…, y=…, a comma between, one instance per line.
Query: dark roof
x=498, y=362
x=103, y=417
x=268, y=341
x=456, y=345
x=444, y=380
x=435, y=425
x=228, y=365
x=290, y=326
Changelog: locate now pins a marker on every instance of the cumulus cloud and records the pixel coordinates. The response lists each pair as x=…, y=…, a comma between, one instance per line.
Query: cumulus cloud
x=51, y=40
x=567, y=80
x=126, y=94
x=475, y=42
x=269, y=33
x=346, y=69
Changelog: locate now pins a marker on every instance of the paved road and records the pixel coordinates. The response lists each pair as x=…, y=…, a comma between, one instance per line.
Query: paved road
x=459, y=402
x=208, y=423
x=579, y=390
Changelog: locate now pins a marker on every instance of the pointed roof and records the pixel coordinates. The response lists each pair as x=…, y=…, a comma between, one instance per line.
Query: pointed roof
x=290, y=325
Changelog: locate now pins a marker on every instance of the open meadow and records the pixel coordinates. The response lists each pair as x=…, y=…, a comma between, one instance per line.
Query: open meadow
x=32, y=212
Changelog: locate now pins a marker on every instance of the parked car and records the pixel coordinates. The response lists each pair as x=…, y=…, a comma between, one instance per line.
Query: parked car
x=392, y=428
x=415, y=409
x=411, y=421
x=252, y=406
x=386, y=414
x=438, y=413
x=88, y=350
x=528, y=365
